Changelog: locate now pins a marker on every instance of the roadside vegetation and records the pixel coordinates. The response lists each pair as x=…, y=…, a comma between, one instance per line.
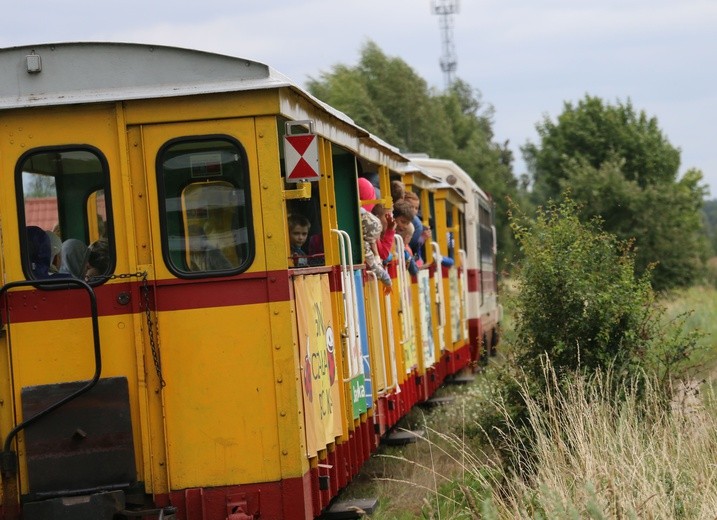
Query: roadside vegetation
x=571, y=434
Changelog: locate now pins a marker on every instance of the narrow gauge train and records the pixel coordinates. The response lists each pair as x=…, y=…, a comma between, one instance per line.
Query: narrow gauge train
x=179, y=363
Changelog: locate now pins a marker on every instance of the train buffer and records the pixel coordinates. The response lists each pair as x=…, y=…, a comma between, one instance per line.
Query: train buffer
x=350, y=509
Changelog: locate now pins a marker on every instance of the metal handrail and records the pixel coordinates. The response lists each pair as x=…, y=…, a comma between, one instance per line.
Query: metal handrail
x=8, y=462
x=349, y=298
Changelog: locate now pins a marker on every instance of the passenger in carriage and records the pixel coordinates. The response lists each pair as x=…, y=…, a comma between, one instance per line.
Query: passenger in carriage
x=371, y=228
x=55, y=248
x=388, y=231
x=384, y=244
x=299, y=227
x=203, y=256
x=422, y=233
x=39, y=252
x=72, y=257
x=398, y=190
x=97, y=262
x=371, y=177
x=406, y=234
x=403, y=213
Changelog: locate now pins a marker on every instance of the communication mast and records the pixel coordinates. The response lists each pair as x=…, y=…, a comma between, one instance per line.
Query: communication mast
x=449, y=62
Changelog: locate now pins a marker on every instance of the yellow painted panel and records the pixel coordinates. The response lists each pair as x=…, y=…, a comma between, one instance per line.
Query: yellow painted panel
x=209, y=107
x=220, y=397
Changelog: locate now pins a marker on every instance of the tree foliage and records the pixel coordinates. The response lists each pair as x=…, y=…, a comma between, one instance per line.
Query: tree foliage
x=38, y=186
x=387, y=97
x=581, y=308
x=709, y=212
x=618, y=164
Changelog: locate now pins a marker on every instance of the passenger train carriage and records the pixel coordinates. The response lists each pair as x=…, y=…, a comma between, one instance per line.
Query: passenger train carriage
x=484, y=313
x=164, y=355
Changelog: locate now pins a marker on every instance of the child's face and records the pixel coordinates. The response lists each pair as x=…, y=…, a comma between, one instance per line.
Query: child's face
x=298, y=235
x=415, y=204
x=401, y=224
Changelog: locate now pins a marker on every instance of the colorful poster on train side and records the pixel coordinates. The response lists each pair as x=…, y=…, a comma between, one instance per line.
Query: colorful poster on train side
x=364, y=350
x=424, y=308
x=455, y=304
x=317, y=349
x=375, y=335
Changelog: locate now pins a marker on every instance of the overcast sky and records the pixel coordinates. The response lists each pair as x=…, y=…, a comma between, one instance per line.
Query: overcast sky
x=525, y=56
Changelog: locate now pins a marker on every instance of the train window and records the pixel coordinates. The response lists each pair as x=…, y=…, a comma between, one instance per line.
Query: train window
x=63, y=193
x=306, y=243
x=206, y=216
x=450, y=238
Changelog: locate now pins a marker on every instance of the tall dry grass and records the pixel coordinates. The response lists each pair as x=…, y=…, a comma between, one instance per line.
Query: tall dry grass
x=592, y=455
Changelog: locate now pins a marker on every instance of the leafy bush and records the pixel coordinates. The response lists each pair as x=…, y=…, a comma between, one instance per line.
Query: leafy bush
x=580, y=305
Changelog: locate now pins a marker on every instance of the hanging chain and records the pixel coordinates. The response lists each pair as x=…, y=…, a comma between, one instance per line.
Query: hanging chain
x=142, y=275
x=150, y=331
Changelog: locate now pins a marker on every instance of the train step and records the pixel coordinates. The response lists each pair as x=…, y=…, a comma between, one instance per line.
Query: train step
x=437, y=401
x=350, y=509
x=462, y=379
x=402, y=437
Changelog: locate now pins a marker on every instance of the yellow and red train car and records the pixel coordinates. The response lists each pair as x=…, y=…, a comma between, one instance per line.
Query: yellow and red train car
x=475, y=227
x=163, y=353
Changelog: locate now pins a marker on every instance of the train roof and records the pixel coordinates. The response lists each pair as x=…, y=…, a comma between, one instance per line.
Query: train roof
x=68, y=73
x=449, y=172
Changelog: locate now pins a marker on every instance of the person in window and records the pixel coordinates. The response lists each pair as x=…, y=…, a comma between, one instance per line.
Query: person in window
x=371, y=228
x=39, y=251
x=98, y=259
x=422, y=233
x=55, y=248
x=388, y=230
x=398, y=190
x=406, y=234
x=367, y=191
x=299, y=227
x=72, y=257
x=203, y=256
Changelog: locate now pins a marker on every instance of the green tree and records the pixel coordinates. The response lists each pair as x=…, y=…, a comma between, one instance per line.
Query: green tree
x=619, y=165
x=38, y=186
x=710, y=219
x=387, y=97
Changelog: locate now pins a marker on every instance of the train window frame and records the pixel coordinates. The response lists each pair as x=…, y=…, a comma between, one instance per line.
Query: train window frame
x=102, y=182
x=198, y=177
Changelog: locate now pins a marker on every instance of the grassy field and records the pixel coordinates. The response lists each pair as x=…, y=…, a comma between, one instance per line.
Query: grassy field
x=594, y=457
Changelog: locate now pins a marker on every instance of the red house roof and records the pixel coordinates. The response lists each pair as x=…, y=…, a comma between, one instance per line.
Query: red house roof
x=41, y=212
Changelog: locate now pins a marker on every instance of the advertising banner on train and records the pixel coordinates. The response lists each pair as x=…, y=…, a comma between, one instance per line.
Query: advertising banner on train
x=455, y=304
x=317, y=346
x=361, y=389
x=375, y=336
x=424, y=303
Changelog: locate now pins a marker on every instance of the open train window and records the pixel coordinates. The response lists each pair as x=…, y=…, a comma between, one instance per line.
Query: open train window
x=450, y=238
x=304, y=223
x=206, y=218
x=64, y=213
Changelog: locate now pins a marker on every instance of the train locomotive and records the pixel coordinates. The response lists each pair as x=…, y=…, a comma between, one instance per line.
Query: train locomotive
x=163, y=354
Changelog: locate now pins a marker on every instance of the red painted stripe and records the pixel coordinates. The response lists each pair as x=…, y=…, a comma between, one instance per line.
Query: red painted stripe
x=289, y=499
x=166, y=295
x=472, y=280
